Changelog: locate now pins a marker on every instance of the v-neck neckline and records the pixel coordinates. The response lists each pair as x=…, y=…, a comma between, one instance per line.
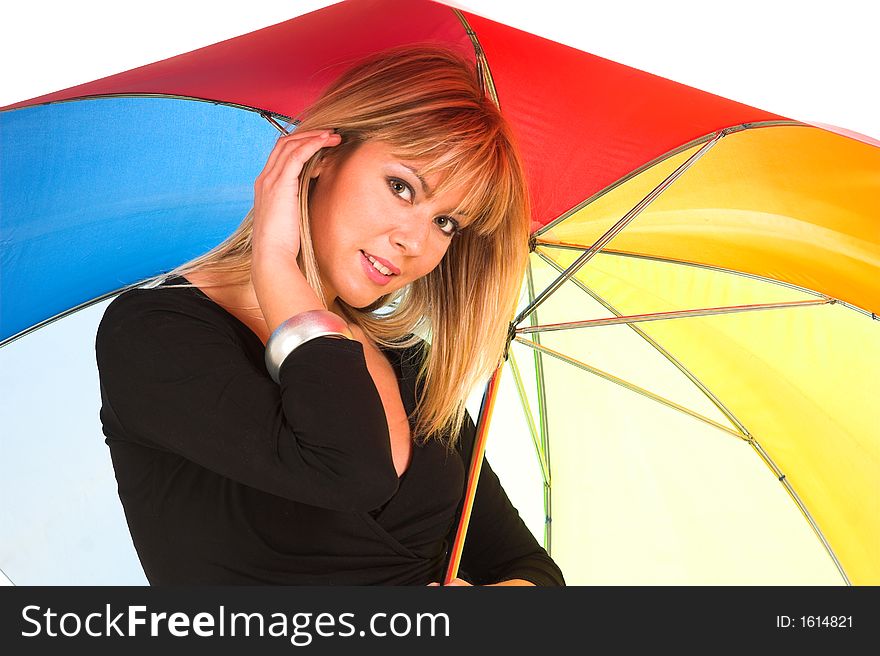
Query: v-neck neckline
x=393, y=356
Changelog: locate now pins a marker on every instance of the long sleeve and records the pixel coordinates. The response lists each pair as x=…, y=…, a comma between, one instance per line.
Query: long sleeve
x=499, y=546
x=179, y=381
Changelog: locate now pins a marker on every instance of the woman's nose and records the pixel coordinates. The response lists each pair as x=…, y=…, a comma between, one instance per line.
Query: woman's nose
x=410, y=233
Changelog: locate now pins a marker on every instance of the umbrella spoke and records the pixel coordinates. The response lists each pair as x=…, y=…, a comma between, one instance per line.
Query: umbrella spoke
x=618, y=227
x=530, y=420
x=660, y=349
x=275, y=124
x=630, y=386
x=674, y=314
x=542, y=414
x=641, y=256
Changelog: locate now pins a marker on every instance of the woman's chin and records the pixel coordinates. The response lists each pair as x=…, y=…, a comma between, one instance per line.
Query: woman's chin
x=356, y=302
x=364, y=298
x=364, y=302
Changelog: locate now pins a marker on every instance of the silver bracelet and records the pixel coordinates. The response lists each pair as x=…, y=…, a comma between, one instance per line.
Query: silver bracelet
x=298, y=330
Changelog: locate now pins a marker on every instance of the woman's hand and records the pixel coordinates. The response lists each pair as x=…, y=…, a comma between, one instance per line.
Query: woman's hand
x=514, y=582
x=281, y=288
x=455, y=581
x=458, y=581
x=276, y=192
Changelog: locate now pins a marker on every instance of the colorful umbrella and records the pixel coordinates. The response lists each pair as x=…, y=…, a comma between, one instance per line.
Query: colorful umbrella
x=712, y=269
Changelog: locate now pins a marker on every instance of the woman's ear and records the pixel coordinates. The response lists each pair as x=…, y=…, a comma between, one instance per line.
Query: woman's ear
x=331, y=157
x=317, y=168
x=323, y=164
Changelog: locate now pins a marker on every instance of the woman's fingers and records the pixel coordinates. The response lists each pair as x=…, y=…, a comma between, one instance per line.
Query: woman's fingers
x=276, y=190
x=454, y=582
x=293, y=156
x=284, y=142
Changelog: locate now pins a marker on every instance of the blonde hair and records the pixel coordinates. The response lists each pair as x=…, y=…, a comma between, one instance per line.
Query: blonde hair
x=428, y=103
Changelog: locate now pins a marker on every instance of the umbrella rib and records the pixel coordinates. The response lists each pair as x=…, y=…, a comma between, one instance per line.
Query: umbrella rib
x=483, y=72
x=169, y=96
x=146, y=283
x=66, y=313
x=800, y=504
x=709, y=267
x=630, y=386
x=675, y=314
x=618, y=227
x=659, y=159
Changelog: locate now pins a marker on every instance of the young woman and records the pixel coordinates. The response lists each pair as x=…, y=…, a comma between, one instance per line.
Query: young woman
x=289, y=408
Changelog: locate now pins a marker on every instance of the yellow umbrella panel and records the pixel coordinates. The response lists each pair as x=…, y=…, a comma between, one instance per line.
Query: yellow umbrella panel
x=730, y=436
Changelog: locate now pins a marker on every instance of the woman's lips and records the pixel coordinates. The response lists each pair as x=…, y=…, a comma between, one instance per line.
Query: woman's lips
x=385, y=263
x=373, y=273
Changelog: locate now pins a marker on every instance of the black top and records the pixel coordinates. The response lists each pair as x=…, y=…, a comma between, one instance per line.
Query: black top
x=227, y=477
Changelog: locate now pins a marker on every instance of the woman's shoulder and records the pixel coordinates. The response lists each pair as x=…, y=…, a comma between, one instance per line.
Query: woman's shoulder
x=167, y=296
x=171, y=306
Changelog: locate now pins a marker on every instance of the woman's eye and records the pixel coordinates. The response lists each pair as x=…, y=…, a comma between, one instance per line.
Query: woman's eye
x=400, y=188
x=448, y=225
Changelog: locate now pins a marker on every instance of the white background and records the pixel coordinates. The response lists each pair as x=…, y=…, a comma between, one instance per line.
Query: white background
x=808, y=60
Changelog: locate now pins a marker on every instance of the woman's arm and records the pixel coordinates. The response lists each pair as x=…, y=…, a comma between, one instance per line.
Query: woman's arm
x=176, y=376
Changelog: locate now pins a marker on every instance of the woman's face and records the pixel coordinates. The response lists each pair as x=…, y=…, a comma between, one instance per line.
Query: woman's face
x=370, y=204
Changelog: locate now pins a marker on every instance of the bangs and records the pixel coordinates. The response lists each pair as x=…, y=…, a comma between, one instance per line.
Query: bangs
x=482, y=164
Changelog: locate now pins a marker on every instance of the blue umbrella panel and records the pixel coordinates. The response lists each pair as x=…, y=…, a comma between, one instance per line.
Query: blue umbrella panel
x=97, y=195
x=100, y=194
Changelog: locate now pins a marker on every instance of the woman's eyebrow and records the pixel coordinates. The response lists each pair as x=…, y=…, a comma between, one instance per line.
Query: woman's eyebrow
x=418, y=175
x=425, y=188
